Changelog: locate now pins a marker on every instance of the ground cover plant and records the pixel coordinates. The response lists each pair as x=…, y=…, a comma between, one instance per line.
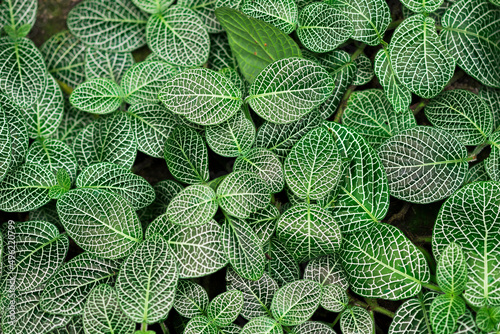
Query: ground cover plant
x=251, y=166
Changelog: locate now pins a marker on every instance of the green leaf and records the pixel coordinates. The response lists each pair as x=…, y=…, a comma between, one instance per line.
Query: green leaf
x=97, y=96
x=112, y=25
x=370, y=113
x=326, y=270
x=233, y=137
x=312, y=327
x=288, y=89
x=308, y=231
x=195, y=205
x=197, y=249
x=423, y=164
x=26, y=188
x=419, y=60
x=470, y=32
x=63, y=179
x=153, y=6
x=54, y=155
x=5, y=144
x=22, y=71
x=102, y=313
x=356, y=320
x=334, y=298
x=143, y=81
x=65, y=58
x=364, y=73
x=72, y=123
x=147, y=281
x=164, y=192
x=109, y=139
x=280, y=13
x=66, y=291
x=398, y=95
x=469, y=218
x=492, y=98
x=107, y=64
x=280, y=264
x=492, y=163
x=200, y=325
x=74, y=326
x=17, y=13
x=363, y=197
x=119, y=180
x=370, y=18
x=201, y=95
x=186, y=156
x=444, y=313
x=254, y=43
x=220, y=55
x=488, y=318
x=152, y=124
x=323, y=28
x=100, y=222
x=225, y=308
x=382, y=263
x=264, y=164
x=242, y=193
x=462, y=114
x=412, y=317
x=191, y=299
x=263, y=222
x=19, y=139
x=451, y=272
x=467, y=324
x=179, y=37
x=205, y=9
x=262, y=325
x=477, y=173
x=233, y=75
x=243, y=249
x=422, y=6
x=296, y=302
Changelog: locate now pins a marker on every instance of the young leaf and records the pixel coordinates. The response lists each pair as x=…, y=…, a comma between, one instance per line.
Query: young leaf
x=22, y=71
x=191, y=299
x=462, y=114
x=98, y=96
x=179, y=37
x=364, y=73
x=326, y=270
x=444, y=313
x=225, y=308
x=102, y=313
x=280, y=264
x=356, y=320
x=147, y=281
x=423, y=164
x=201, y=95
x=18, y=13
x=280, y=13
x=470, y=33
x=66, y=291
x=370, y=113
x=263, y=222
x=451, y=272
x=487, y=318
x=382, y=263
x=412, y=317
x=100, y=222
x=262, y=325
x=422, y=6
x=195, y=205
x=200, y=325
x=265, y=164
x=323, y=28
x=420, y=61
x=308, y=231
x=26, y=188
x=334, y=298
x=112, y=25
x=254, y=43
x=296, y=302
x=242, y=193
x=107, y=64
x=72, y=123
x=186, y=156
x=118, y=180
x=205, y=9
x=153, y=6
x=233, y=137
x=288, y=89
x=469, y=218
x=492, y=163
x=54, y=155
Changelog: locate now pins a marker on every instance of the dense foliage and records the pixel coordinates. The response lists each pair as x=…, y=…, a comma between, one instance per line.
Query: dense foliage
x=311, y=108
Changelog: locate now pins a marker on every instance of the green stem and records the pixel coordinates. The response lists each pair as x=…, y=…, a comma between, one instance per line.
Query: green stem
x=477, y=150
x=343, y=103
x=394, y=24
x=358, y=51
x=374, y=307
x=336, y=320
x=431, y=286
x=164, y=328
x=425, y=239
x=144, y=327
x=419, y=106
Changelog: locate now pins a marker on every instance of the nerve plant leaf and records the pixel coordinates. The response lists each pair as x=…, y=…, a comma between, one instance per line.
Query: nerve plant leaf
x=280, y=13
x=382, y=263
x=220, y=55
x=102, y=313
x=451, y=272
x=334, y=298
x=323, y=28
x=67, y=290
x=186, y=156
x=100, y=222
x=5, y=144
x=412, y=317
x=98, y=96
x=492, y=98
x=201, y=95
x=195, y=205
x=326, y=270
x=118, y=180
x=164, y=192
x=179, y=37
x=147, y=281
x=263, y=222
x=280, y=264
x=419, y=59
x=191, y=299
x=423, y=164
x=233, y=137
x=107, y=64
x=200, y=325
x=422, y=6
x=265, y=164
x=356, y=320
x=296, y=302
x=462, y=114
x=312, y=327
x=153, y=6
x=492, y=163
x=225, y=308
x=19, y=139
x=112, y=25
x=205, y=9
x=254, y=43
x=262, y=325
x=18, y=13
x=487, y=318
x=477, y=173
x=54, y=155
x=288, y=89
x=444, y=313
x=72, y=123
x=364, y=70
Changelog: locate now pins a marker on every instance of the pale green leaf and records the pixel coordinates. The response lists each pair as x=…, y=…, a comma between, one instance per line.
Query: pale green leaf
x=423, y=164
x=326, y=270
x=280, y=13
x=487, y=318
x=147, y=281
x=313, y=327
x=364, y=73
x=422, y=6
x=280, y=264
x=107, y=64
x=356, y=320
x=179, y=37
x=153, y=6
x=54, y=155
x=112, y=25
x=262, y=325
x=264, y=164
x=334, y=298
x=288, y=89
x=263, y=222
x=451, y=273
x=412, y=317
x=444, y=313
x=220, y=55
x=72, y=123
x=492, y=163
x=195, y=205
x=17, y=13
x=225, y=308
x=67, y=290
x=191, y=299
x=97, y=96
x=200, y=325
x=205, y=9
x=100, y=222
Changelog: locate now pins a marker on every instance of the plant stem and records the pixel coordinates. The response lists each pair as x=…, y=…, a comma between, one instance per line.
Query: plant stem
x=164, y=328
x=336, y=320
x=431, y=286
x=343, y=103
x=425, y=239
x=394, y=24
x=419, y=106
x=144, y=327
x=477, y=150
x=374, y=307
x=358, y=51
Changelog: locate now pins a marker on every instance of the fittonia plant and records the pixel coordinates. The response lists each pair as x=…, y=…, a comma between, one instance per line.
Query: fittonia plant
x=282, y=152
